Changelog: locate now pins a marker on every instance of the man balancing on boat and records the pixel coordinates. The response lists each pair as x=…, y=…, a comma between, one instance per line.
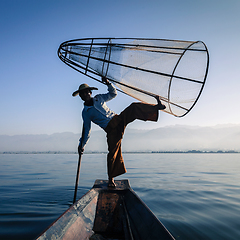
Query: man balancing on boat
x=95, y=110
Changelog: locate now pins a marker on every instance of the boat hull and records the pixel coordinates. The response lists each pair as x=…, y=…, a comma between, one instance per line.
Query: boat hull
x=107, y=213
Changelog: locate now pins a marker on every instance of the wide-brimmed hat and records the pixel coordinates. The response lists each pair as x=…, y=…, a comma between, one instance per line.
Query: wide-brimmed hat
x=82, y=87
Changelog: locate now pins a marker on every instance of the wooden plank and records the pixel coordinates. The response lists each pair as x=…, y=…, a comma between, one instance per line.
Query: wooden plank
x=108, y=219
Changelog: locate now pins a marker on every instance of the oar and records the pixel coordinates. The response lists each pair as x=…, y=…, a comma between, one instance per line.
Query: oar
x=78, y=170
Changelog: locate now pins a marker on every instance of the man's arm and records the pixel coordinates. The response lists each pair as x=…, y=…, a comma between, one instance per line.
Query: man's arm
x=86, y=133
x=112, y=92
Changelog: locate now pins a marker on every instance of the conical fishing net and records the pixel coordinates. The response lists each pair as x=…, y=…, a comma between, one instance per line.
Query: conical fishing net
x=144, y=68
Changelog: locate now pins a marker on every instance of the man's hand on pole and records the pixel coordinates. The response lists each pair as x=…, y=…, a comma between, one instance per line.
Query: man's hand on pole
x=80, y=150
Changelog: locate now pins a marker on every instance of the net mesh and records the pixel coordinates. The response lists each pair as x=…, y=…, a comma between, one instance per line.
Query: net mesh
x=144, y=68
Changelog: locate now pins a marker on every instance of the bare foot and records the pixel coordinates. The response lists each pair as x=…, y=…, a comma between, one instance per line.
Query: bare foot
x=160, y=105
x=111, y=183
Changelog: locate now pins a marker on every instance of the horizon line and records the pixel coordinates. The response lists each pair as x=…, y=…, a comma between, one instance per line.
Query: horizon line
x=146, y=129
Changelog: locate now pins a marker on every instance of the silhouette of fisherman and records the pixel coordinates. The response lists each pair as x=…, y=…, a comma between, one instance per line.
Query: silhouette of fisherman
x=95, y=110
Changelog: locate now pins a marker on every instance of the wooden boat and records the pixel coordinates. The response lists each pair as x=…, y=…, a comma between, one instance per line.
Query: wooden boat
x=108, y=213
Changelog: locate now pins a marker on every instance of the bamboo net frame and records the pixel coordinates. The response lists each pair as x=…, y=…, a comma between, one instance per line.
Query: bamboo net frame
x=175, y=70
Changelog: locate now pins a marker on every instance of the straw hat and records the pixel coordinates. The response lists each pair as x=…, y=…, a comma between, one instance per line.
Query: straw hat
x=82, y=87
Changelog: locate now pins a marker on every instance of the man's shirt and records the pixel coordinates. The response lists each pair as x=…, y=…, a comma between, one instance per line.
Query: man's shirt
x=99, y=113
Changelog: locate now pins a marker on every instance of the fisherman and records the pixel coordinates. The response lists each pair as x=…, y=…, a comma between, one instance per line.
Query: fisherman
x=96, y=110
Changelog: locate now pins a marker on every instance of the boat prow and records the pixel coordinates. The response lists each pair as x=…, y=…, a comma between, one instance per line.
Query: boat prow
x=108, y=213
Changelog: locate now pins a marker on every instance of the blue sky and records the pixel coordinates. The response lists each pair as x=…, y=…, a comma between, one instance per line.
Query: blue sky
x=36, y=86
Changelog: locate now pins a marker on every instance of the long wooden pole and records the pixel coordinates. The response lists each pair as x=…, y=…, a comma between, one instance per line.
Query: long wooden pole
x=78, y=169
x=77, y=178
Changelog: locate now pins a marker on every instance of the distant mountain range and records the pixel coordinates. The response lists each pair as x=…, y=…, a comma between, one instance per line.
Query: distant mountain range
x=170, y=138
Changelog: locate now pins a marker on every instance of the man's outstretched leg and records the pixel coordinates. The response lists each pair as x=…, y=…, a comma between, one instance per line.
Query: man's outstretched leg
x=141, y=111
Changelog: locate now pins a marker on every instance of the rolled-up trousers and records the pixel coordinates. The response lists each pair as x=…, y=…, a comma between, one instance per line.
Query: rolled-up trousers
x=115, y=130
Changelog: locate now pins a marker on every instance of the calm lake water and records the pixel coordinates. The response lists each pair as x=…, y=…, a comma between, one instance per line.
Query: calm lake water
x=196, y=196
